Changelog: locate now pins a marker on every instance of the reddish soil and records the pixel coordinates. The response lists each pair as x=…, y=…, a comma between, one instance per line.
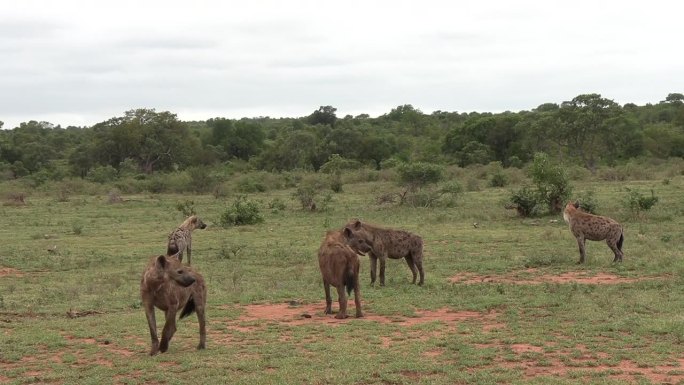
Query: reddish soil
x=8, y=271
x=306, y=314
x=547, y=360
x=535, y=277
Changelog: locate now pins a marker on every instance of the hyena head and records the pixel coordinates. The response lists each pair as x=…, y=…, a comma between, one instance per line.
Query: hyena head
x=173, y=269
x=358, y=240
x=196, y=222
x=570, y=210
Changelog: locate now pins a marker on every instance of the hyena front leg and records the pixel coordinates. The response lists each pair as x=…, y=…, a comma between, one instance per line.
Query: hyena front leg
x=382, y=270
x=169, y=329
x=152, y=323
x=373, y=267
x=582, y=249
x=189, y=252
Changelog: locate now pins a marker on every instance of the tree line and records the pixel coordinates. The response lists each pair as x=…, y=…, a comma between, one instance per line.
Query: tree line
x=589, y=130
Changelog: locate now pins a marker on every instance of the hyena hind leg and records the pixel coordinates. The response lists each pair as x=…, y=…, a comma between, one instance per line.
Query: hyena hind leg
x=616, y=250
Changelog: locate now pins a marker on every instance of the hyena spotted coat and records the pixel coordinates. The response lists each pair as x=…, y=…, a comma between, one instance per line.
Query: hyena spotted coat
x=594, y=228
x=181, y=238
x=171, y=287
x=389, y=243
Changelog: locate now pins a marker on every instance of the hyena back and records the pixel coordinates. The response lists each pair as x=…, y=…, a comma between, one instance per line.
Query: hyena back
x=389, y=243
x=594, y=228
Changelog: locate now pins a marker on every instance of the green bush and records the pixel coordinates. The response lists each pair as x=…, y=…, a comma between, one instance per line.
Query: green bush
x=187, y=208
x=419, y=174
x=498, y=179
x=102, y=174
x=277, y=205
x=243, y=212
x=637, y=202
x=553, y=185
x=588, y=203
x=525, y=201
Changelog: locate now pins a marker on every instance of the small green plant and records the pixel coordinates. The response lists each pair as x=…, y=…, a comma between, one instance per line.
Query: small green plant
x=242, y=212
x=230, y=250
x=102, y=174
x=187, y=207
x=277, y=205
x=638, y=202
x=77, y=228
x=498, y=179
x=588, y=202
x=524, y=201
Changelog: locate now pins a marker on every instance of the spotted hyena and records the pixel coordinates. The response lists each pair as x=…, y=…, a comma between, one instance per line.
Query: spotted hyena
x=389, y=243
x=339, y=264
x=181, y=238
x=594, y=228
x=171, y=287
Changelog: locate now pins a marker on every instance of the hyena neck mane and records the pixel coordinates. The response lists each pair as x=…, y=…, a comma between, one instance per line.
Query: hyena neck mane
x=186, y=223
x=569, y=212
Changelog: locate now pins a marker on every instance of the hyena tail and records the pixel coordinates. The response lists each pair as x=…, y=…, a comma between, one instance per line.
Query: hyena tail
x=349, y=280
x=619, y=242
x=188, y=309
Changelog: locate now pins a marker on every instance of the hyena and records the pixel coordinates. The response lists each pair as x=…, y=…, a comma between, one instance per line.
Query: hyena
x=170, y=286
x=181, y=238
x=339, y=264
x=594, y=228
x=388, y=243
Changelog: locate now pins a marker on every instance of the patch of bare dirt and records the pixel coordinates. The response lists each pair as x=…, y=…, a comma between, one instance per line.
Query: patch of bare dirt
x=10, y=272
x=313, y=314
x=536, y=277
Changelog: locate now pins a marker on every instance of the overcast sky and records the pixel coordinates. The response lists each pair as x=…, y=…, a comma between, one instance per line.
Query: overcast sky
x=83, y=62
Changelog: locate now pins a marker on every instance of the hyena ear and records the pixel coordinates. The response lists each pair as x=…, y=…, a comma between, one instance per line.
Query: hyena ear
x=347, y=232
x=357, y=225
x=161, y=262
x=576, y=204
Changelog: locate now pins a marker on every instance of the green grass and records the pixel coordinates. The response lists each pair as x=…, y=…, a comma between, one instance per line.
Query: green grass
x=101, y=250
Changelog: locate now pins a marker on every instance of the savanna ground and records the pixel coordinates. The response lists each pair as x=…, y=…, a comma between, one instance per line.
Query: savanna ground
x=504, y=301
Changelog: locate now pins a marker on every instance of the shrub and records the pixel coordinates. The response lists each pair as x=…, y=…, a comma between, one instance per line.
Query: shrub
x=243, y=212
x=637, y=202
x=102, y=174
x=277, y=205
x=498, y=179
x=553, y=185
x=200, y=180
x=249, y=184
x=588, y=202
x=187, y=208
x=307, y=191
x=419, y=174
x=524, y=201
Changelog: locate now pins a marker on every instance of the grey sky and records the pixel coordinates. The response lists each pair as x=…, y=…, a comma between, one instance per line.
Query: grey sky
x=82, y=62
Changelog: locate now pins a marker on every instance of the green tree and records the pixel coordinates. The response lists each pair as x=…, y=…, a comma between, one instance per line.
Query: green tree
x=324, y=115
x=585, y=123
x=155, y=140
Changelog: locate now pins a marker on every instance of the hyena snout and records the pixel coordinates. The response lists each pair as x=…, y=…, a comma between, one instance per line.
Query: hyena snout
x=183, y=278
x=360, y=245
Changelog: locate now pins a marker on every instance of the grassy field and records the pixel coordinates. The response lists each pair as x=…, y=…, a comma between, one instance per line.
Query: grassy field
x=491, y=311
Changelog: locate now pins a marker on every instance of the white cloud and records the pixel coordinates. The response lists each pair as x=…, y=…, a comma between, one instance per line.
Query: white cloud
x=81, y=62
